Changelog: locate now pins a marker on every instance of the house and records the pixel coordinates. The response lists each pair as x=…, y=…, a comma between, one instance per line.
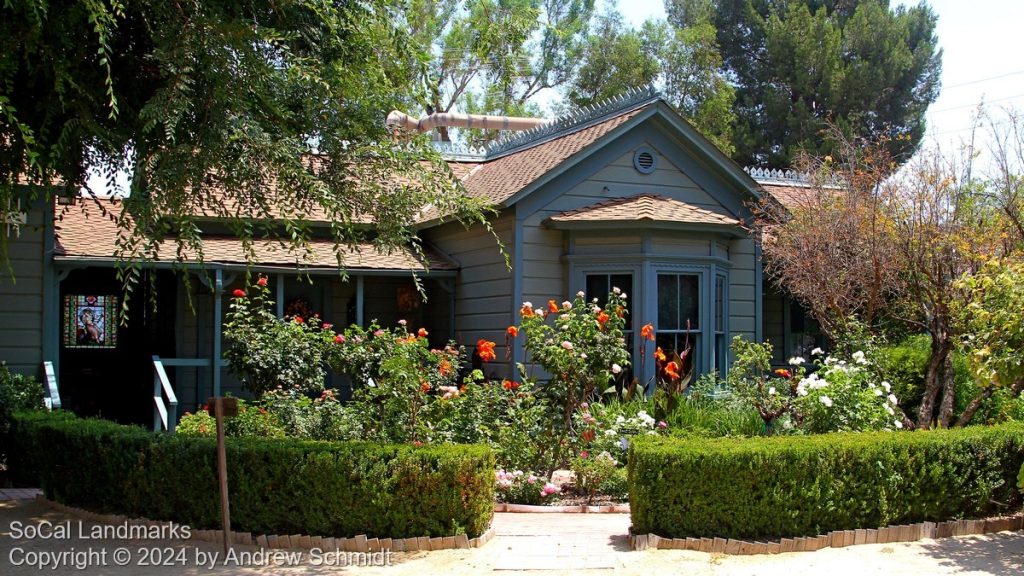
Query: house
x=626, y=194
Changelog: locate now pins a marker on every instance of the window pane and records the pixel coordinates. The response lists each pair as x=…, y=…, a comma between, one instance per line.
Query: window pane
x=668, y=302
x=689, y=299
x=597, y=287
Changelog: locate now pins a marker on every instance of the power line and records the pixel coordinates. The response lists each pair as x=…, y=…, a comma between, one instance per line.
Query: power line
x=980, y=80
x=987, y=102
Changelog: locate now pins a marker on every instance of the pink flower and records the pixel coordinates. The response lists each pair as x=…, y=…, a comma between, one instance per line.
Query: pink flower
x=378, y=333
x=339, y=339
x=662, y=424
x=584, y=454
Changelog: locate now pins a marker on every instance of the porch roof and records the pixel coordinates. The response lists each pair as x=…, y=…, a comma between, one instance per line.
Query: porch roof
x=640, y=208
x=88, y=232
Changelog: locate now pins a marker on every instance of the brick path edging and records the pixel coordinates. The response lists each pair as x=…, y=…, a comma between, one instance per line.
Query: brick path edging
x=583, y=509
x=834, y=539
x=359, y=543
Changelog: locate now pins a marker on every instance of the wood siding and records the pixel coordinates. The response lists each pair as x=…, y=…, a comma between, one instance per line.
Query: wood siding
x=21, y=316
x=483, y=295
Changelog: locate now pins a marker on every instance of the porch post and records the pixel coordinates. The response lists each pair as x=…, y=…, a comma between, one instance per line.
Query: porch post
x=279, y=296
x=218, y=291
x=51, y=293
x=359, y=299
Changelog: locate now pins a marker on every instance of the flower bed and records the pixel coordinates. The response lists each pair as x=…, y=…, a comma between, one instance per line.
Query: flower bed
x=809, y=485
x=278, y=486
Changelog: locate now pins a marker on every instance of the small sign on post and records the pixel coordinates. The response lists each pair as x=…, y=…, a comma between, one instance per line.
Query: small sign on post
x=221, y=408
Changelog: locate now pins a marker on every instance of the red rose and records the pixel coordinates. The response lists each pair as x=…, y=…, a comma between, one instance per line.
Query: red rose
x=262, y=281
x=339, y=339
x=422, y=333
x=299, y=320
x=239, y=293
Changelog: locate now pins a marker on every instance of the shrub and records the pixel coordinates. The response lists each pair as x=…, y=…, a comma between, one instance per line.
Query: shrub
x=808, y=485
x=278, y=486
x=17, y=392
x=592, y=471
x=267, y=352
x=518, y=487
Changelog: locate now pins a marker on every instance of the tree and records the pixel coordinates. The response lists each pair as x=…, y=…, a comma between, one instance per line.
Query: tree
x=796, y=64
x=215, y=107
x=905, y=247
x=685, y=62
x=496, y=55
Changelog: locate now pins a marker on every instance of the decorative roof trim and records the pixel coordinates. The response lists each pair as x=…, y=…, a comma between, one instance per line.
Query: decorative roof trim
x=577, y=119
x=776, y=176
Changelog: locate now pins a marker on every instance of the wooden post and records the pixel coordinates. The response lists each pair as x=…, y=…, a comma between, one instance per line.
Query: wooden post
x=222, y=408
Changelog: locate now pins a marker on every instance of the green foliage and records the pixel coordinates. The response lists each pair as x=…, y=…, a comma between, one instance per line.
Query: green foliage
x=872, y=68
x=197, y=424
x=518, y=487
x=212, y=107
x=17, y=393
x=277, y=486
x=270, y=353
x=592, y=471
x=750, y=381
x=807, y=485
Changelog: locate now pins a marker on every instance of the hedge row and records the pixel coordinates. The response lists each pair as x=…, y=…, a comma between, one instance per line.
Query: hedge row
x=277, y=486
x=807, y=485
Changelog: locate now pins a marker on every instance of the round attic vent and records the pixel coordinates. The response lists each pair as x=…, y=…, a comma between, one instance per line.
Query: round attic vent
x=644, y=160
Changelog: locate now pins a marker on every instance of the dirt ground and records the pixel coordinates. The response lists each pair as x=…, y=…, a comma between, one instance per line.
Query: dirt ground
x=587, y=544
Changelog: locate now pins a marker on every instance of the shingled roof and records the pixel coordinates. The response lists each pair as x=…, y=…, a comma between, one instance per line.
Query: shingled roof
x=89, y=232
x=649, y=207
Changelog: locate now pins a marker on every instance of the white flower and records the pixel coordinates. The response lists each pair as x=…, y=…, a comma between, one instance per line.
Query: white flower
x=889, y=410
x=887, y=386
x=580, y=294
x=539, y=312
x=878, y=392
x=527, y=304
x=817, y=352
x=826, y=401
x=402, y=322
x=595, y=300
x=624, y=295
x=616, y=290
x=899, y=425
x=596, y=309
x=567, y=305
x=858, y=357
x=567, y=345
x=796, y=361
x=583, y=355
x=620, y=419
x=801, y=389
x=892, y=398
x=771, y=391
x=616, y=368
x=610, y=432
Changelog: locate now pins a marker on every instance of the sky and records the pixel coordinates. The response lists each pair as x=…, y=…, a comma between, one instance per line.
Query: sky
x=981, y=44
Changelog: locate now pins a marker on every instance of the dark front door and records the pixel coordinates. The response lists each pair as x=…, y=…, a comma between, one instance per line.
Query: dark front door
x=106, y=364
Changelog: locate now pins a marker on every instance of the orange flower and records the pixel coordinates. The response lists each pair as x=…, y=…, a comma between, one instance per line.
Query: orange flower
x=672, y=370
x=422, y=333
x=424, y=386
x=647, y=332
x=485, y=348
x=299, y=320
x=783, y=373
x=602, y=318
x=589, y=435
x=552, y=306
x=659, y=354
x=445, y=367
x=512, y=331
x=526, y=311
x=509, y=384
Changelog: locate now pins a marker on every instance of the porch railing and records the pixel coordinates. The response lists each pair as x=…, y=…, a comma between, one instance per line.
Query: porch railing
x=165, y=413
x=52, y=398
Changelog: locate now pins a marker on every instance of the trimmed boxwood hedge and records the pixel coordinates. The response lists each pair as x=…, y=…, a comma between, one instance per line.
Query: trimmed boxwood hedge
x=807, y=485
x=276, y=486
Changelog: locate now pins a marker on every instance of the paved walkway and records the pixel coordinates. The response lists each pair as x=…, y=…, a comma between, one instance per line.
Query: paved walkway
x=525, y=545
x=560, y=541
x=18, y=494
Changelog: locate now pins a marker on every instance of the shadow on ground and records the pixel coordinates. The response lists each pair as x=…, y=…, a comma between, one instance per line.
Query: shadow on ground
x=1001, y=553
